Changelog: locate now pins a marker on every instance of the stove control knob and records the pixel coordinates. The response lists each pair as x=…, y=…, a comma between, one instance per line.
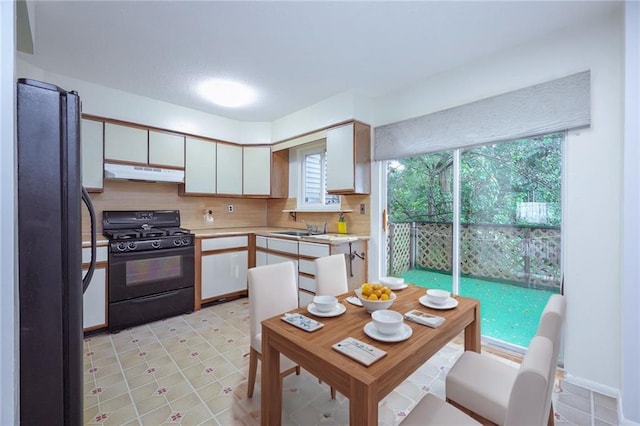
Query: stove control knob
x=176, y=241
x=155, y=244
x=131, y=246
x=185, y=241
x=121, y=246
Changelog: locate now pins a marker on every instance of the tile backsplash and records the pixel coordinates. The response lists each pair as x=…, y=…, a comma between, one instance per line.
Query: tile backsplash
x=129, y=195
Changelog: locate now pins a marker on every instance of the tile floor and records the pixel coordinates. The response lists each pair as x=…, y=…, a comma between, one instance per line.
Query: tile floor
x=192, y=370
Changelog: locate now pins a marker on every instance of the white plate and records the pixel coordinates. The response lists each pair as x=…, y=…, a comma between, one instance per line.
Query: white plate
x=404, y=333
x=397, y=287
x=449, y=304
x=354, y=301
x=338, y=310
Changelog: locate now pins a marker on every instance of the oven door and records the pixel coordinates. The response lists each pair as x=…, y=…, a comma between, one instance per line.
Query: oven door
x=137, y=274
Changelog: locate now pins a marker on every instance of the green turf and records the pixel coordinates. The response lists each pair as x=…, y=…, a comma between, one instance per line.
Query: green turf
x=509, y=312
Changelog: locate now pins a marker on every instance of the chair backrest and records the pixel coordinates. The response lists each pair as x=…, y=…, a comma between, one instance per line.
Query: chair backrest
x=272, y=291
x=550, y=326
x=331, y=275
x=528, y=395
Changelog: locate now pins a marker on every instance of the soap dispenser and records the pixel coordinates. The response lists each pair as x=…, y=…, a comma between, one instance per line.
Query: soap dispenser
x=342, y=225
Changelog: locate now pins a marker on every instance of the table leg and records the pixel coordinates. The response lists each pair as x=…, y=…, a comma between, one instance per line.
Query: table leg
x=271, y=383
x=472, y=333
x=363, y=404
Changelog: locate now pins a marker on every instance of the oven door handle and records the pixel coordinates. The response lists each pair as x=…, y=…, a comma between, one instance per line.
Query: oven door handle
x=152, y=253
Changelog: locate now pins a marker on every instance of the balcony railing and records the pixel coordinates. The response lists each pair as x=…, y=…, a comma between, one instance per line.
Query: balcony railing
x=523, y=255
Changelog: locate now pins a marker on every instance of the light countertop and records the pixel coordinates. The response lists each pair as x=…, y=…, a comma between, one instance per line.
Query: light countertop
x=264, y=231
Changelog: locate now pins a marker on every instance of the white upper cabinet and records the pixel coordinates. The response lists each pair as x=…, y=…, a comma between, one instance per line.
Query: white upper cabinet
x=200, y=166
x=166, y=149
x=124, y=143
x=348, y=159
x=340, y=158
x=257, y=170
x=91, y=134
x=229, y=169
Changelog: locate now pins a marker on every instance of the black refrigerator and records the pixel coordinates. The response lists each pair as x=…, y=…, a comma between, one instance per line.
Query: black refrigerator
x=50, y=254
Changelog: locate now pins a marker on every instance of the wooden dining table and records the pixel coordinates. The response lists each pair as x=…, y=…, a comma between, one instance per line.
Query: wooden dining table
x=364, y=386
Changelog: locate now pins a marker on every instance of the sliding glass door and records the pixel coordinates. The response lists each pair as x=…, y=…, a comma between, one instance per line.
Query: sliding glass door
x=482, y=222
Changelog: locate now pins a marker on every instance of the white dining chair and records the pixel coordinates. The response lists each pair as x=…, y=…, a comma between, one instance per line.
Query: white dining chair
x=525, y=402
x=331, y=275
x=331, y=280
x=272, y=290
x=481, y=385
x=551, y=323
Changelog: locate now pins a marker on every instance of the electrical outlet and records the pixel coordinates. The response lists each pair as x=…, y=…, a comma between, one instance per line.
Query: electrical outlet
x=363, y=208
x=230, y=208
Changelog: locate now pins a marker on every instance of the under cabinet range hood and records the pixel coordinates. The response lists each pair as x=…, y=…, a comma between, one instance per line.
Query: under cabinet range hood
x=144, y=173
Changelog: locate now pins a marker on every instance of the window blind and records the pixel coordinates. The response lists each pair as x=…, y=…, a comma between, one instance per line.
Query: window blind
x=556, y=105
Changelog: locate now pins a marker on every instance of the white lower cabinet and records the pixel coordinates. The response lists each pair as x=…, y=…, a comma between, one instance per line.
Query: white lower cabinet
x=304, y=298
x=224, y=273
x=261, y=258
x=94, y=300
x=224, y=265
x=270, y=251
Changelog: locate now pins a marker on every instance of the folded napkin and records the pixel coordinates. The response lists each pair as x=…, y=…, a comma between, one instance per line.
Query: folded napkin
x=424, y=318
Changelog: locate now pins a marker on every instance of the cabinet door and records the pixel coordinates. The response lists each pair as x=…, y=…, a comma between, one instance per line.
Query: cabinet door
x=340, y=159
x=200, y=166
x=125, y=143
x=94, y=300
x=224, y=273
x=91, y=139
x=229, y=169
x=166, y=149
x=256, y=169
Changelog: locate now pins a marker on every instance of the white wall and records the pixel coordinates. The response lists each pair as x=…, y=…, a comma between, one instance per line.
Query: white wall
x=631, y=260
x=592, y=194
x=342, y=107
x=8, y=281
x=111, y=103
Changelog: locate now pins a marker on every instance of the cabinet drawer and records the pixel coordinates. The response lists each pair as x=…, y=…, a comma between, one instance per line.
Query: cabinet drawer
x=283, y=245
x=304, y=298
x=101, y=254
x=314, y=250
x=261, y=242
x=307, y=283
x=224, y=243
x=307, y=266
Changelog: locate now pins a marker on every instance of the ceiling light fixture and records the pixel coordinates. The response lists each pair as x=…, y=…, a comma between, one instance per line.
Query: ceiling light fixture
x=227, y=93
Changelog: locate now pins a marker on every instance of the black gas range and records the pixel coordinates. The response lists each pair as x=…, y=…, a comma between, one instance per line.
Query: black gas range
x=151, y=266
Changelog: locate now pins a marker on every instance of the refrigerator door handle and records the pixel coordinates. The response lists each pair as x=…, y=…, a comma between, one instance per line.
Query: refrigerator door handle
x=92, y=216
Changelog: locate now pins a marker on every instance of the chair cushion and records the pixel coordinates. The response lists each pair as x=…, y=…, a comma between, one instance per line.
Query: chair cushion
x=482, y=385
x=431, y=410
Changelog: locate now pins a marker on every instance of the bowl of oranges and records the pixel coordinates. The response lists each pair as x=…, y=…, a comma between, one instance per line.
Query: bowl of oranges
x=375, y=296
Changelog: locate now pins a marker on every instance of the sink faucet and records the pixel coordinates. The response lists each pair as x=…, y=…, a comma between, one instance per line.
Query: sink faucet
x=315, y=229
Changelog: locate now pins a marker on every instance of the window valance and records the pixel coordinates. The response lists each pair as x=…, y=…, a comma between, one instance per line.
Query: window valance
x=556, y=105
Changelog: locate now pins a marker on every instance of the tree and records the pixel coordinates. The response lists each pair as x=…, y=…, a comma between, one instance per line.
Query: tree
x=495, y=180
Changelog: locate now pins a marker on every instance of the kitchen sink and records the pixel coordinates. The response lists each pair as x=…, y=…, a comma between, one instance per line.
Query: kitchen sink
x=334, y=237
x=293, y=233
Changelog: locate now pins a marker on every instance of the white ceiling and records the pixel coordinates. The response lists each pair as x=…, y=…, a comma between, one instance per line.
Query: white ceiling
x=293, y=53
